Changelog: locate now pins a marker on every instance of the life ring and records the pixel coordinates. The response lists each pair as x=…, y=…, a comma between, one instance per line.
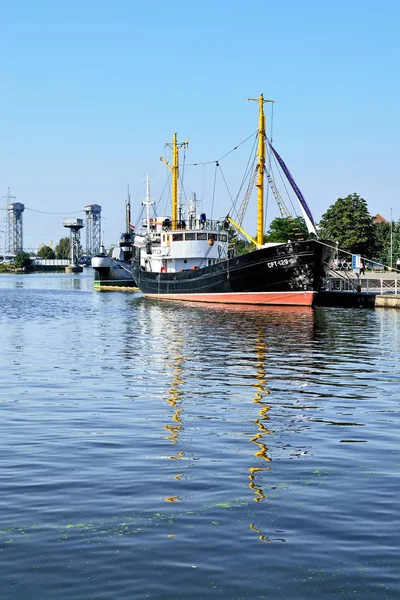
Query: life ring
x=163, y=269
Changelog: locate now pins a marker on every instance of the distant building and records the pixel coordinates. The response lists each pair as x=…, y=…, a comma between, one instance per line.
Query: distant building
x=379, y=219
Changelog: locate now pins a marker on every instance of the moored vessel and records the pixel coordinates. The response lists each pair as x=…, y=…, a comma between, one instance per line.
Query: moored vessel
x=192, y=258
x=115, y=271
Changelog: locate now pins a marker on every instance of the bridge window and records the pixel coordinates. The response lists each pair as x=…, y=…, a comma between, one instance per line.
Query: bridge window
x=190, y=236
x=223, y=237
x=212, y=236
x=201, y=236
x=177, y=237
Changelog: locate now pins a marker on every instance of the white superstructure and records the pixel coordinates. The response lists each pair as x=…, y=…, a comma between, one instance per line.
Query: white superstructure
x=167, y=250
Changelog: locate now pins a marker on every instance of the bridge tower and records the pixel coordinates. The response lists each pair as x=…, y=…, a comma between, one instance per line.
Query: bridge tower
x=74, y=226
x=14, y=231
x=93, y=229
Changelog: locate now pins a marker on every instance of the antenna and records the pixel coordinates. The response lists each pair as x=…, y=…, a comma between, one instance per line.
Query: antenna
x=128, y=212
x=147, y=203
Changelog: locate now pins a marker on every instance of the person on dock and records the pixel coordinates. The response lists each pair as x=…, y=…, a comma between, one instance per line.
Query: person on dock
x=362, y=267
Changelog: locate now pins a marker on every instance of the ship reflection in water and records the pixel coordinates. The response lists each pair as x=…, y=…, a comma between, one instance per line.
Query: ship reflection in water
x=175, y=362
x=175, y=395
x=263, y=416
x=244, y=339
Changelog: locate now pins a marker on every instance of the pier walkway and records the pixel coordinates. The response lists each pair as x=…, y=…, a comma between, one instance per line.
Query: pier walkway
x=345, y=288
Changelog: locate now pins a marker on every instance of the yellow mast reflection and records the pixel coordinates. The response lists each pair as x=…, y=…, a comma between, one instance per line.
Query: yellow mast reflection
x=262, y=430
x=174, y=399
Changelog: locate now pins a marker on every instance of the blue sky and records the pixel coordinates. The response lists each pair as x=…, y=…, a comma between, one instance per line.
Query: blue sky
x=91, y=90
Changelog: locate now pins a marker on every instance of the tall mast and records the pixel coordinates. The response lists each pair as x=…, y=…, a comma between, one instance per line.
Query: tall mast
x=147, y=203
x=175, y=145
x=260, y=169
x=128, y=212
x=260, y=173
x=175, y=177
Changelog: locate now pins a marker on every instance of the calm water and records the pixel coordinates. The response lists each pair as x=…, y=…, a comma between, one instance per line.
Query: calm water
x=168, y=451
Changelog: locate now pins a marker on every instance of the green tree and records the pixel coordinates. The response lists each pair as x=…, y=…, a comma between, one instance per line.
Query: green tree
x=22, y=260
x=46, y=252
x=349, y=223
x=242, y=246
x=283, y=229
x=63, y=248
x=382, y=242
x=396, y=243
x=387, y=239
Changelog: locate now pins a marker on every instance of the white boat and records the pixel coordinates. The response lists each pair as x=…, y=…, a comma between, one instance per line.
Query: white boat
x=115, y=271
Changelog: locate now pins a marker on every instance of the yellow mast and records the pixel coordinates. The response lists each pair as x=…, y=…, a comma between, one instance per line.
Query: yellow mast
x=260, y=169
x=175, y=145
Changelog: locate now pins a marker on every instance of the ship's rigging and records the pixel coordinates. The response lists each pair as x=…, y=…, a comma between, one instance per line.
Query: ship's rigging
x=271, y=166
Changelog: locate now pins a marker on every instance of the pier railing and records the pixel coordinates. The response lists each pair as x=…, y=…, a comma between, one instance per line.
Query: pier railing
x=375, y=285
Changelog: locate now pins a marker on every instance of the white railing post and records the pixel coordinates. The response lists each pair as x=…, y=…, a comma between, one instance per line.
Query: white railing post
x=381, y=287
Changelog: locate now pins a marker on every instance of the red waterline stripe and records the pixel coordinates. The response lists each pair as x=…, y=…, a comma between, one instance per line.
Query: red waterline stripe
x=277, y=298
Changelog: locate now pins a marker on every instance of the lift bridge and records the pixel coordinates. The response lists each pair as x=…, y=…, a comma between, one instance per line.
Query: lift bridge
x=14, y=241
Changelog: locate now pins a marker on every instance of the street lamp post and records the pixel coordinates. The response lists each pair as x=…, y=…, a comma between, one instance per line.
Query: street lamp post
x=391, y=240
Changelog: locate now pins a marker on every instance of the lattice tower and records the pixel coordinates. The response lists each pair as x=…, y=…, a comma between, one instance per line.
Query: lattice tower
x=14, y=230
x=74, y=226
x=93, y=229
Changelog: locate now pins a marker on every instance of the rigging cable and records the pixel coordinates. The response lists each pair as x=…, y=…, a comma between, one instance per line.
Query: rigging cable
x=269, y=152
x=284, y=185
x=249, y=169
x=251, y=172
x=213, y=196
x=281, y=203
x=51, y=213
x=210, y=162
x=183, y=191
x=223, y=177
x=202, y=187
x=217, y=165
x=166, y=183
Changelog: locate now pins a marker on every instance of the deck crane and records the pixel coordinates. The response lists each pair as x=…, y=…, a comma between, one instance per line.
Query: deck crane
x=282, y=206
x=285, y=213
x=243, y=207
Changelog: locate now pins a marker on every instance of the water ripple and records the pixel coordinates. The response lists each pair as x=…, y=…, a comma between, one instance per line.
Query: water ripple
x=164, y=450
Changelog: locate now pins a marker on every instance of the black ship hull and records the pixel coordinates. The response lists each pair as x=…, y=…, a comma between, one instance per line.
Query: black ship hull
x=289, y=273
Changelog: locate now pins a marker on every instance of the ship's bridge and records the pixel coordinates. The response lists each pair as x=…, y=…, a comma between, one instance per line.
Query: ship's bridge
x=184, y=249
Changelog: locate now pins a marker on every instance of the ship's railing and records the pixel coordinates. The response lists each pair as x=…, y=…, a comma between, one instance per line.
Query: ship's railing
x=193, y=223
x=50, y=262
